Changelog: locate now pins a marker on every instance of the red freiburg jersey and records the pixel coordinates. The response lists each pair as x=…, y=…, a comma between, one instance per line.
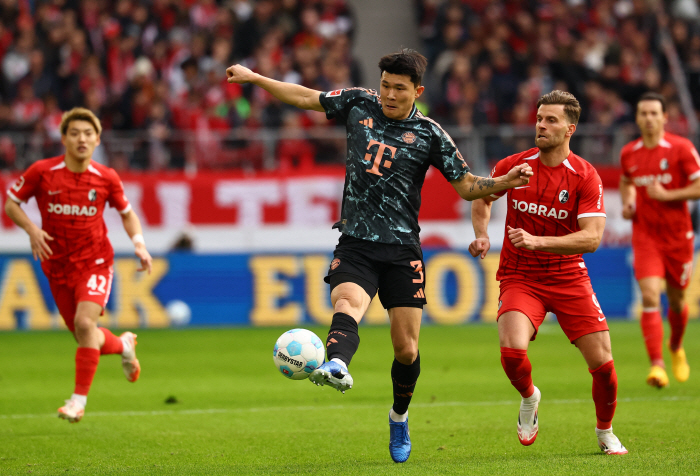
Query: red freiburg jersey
x=550, y=205
x=71, y=206
x=675, y=163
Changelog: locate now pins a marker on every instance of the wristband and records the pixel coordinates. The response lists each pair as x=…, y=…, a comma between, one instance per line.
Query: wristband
x=138, y=238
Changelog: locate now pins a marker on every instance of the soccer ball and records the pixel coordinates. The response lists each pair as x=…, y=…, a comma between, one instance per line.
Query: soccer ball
x=179, y=313
x=297, y=353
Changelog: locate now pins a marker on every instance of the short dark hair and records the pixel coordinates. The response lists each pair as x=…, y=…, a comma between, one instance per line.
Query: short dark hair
x=405, y=62
x=572, y=108
x=652, y=96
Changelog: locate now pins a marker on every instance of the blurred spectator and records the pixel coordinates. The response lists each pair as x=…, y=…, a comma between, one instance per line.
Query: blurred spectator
x=605, y=52
x=157, y=68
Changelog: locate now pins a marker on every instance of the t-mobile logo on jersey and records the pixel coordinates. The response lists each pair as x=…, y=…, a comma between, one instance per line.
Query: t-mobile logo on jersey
x=378, y=157
x=537, y=209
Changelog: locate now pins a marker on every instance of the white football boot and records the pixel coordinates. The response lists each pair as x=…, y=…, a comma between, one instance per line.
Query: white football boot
x=130, y=364
x=528, y=423
x=609, y=443
x=72, y=411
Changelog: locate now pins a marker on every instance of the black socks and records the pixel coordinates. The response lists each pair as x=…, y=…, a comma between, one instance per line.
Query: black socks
x=404, y=379
x=343, y=340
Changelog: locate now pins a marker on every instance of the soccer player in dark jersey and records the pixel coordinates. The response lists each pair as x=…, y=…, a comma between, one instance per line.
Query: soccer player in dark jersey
x=550, y=222
x=76, y=255
x=660, y=173
x=390, y=146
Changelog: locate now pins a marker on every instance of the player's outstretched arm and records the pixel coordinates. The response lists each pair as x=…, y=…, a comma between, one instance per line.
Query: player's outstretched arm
x=481, y=215
x=628, y=193
x=586, y=240
x=132, y=225
x=470, y=187
x=37, y=237
x=289, y=93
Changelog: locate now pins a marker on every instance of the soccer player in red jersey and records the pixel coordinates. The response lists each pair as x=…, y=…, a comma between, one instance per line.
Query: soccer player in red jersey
x=550, y=222
x=660, y=171
x=76, y=255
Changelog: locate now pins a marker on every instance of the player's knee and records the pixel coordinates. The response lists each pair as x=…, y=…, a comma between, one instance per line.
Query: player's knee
x=349, y=305
x=406, y=353
x=83, y=324
x=650, y=299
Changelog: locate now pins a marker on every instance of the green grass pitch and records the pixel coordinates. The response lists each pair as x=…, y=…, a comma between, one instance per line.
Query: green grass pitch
x=234, y=414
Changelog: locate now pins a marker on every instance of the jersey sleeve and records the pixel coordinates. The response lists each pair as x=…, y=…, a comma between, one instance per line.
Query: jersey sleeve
x=690, y=161
x=446, y=157
x=624, y=163
x=27, y=185
x=117, y=198
x=338, y=103
x=590, y=203
x=501, y=168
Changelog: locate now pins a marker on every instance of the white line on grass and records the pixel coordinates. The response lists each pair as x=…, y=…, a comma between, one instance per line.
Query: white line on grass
x=204, y=411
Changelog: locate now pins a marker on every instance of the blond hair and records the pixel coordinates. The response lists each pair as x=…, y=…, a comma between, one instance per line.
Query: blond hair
x=80, y=114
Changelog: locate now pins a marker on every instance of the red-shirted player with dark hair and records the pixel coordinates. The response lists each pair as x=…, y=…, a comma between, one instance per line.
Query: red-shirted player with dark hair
x=660, y=171
x=550, y=222
x=76, y=255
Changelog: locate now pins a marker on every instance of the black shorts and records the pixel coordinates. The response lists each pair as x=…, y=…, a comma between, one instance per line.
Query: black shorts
x=396, y=271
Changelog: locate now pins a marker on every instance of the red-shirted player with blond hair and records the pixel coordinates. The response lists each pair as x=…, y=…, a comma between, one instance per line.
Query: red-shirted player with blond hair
x=550, y=222
x=76, y=255
x=660, y=172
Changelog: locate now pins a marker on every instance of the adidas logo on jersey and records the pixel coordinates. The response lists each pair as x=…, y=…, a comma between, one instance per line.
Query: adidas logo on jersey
x=65, y=209
x=537, y=209
x=367, y=122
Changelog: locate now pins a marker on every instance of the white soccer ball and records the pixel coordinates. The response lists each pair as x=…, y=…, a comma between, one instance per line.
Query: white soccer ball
x=179, y=313
x=297, y=353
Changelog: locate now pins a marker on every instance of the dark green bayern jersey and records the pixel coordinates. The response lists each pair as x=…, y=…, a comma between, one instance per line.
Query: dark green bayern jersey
x=386, y=165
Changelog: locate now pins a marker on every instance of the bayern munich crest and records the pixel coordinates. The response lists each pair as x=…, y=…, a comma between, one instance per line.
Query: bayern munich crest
x=564, y=196
x=663, y=164
x=408, y=137
x=92, y=195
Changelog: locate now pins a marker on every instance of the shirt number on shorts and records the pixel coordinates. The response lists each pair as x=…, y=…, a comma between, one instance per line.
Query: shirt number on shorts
x=92, y=283
x=687, y=268
x=597, y=304
x=418, y=268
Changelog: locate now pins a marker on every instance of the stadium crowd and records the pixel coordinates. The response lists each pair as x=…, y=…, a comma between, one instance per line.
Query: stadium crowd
x=157, y=67
x=492, y=60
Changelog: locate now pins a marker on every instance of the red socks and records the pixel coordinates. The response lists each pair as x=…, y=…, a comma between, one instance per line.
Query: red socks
x=653, y=332
x=86, y=361
x=678, y=323
x=112, y=345
x=604, y=394
x=518, y=369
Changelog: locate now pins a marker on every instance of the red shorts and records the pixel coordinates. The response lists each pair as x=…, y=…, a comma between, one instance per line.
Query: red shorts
x=674, y=265
x=573, y=302
x=93, y=286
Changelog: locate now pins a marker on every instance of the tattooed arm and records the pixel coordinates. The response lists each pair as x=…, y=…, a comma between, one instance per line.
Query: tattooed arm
x=471, y=187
